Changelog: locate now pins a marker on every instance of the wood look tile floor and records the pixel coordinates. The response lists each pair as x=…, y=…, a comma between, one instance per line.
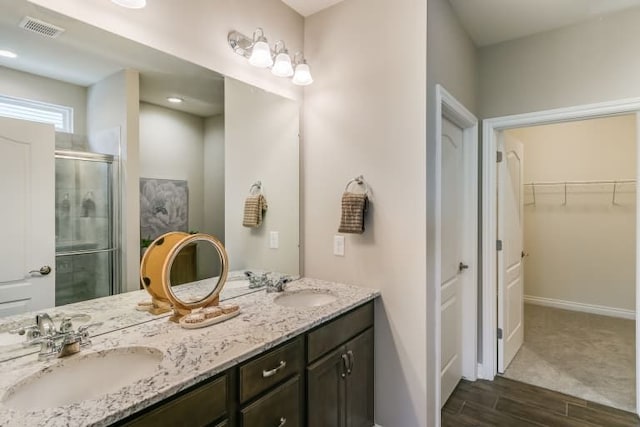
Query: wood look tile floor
x=504, y=402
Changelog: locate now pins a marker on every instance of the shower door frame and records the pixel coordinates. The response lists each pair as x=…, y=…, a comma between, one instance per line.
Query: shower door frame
x=491, y=131
x=114, y=224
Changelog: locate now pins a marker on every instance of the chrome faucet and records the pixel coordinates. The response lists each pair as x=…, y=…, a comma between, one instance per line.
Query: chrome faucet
x=45, y=325
x=278, y=285
x=59, y=342
x=256, y=280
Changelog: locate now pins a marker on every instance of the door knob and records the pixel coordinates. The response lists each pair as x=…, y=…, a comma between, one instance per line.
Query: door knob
x=44, y=270
x=462, y=267
x=523, y=254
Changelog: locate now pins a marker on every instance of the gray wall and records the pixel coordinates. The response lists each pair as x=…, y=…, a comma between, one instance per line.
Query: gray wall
x=365, y=114
x=29, y=86
x=590, y=62
x=172, y=147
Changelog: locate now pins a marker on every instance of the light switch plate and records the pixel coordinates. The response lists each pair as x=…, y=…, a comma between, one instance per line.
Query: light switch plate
x=274, y=240
x=338, y=245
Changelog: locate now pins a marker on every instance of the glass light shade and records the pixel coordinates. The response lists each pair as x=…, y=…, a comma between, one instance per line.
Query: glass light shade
x=282, y=66
x=302, y=77
x=261, y=55
x=131, y=4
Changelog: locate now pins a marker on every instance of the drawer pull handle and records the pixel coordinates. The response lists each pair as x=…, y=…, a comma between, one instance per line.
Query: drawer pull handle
x=345, y=364
x=283, y=421
x=350, y=353
x=272, y=372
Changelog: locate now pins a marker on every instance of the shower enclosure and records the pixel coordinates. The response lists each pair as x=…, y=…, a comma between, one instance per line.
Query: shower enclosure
x=86, y=226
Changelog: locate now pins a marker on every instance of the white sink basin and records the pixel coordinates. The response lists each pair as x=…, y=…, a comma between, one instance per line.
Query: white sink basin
x=307, y=298
x=83, y=377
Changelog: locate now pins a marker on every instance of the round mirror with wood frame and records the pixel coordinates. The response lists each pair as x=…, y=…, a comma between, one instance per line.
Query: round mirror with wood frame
x=180, y=307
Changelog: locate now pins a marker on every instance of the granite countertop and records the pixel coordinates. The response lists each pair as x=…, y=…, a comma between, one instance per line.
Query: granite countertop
x=111, y=312
x=189, y=355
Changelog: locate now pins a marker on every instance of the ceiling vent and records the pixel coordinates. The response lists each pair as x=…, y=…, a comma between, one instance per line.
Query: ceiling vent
x=41, y=27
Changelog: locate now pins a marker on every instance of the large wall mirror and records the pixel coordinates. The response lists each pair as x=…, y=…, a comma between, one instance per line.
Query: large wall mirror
x=145, y=143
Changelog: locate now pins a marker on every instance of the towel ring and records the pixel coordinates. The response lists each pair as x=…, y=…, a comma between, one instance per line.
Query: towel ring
x=258, y=186
x=360, y=181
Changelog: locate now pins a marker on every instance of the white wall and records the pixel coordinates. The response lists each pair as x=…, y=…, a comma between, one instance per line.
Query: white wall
x=583, y=252
x=197, y=31
x=214, y=176
x=589, y=62
x=172, y=147
x=366, y=114
x=29, y=86
x=261, y=144
x=113, y=106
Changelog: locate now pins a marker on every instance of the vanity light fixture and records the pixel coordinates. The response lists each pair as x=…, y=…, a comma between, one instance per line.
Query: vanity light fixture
x=282, y=66
x=302, y=75
x=259, y=54
x=131, y=4
x=175, y=100
x=8, y=54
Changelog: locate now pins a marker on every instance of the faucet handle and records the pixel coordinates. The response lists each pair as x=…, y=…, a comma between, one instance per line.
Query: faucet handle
x=45, y=324
x=65, y=325
x=85, y=328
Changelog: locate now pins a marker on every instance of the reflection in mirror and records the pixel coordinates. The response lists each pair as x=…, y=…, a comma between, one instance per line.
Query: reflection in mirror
x=119, y=141
x=195, y=271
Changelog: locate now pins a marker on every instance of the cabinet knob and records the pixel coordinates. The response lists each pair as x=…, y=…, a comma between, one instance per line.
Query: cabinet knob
x=272, y=372
x=283, y=421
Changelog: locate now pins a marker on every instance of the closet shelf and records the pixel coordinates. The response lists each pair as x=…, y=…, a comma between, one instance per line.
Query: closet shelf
x=613, y=183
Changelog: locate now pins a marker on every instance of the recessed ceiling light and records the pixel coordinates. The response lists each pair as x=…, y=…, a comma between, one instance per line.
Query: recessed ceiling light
x=8, y=54
x=175, y=100
x=131, y=4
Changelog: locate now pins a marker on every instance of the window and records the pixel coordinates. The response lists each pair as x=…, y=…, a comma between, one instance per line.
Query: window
x=58, y=115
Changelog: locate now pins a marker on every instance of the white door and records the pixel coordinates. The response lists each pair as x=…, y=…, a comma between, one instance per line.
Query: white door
x=452, y=264
x=27, y=217
x=510, y=269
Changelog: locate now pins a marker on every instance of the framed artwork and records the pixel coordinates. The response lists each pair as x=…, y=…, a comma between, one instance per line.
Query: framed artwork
x=164, y=207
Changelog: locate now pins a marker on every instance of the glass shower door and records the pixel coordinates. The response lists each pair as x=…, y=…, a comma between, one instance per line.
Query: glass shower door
x=85, y=227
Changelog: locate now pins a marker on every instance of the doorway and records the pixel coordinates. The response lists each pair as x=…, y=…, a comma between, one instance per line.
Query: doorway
x=456, y=230
x=495, y=276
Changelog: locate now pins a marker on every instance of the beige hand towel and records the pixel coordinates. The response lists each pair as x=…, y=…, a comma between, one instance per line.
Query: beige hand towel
x=254, y=207
x=354, y=205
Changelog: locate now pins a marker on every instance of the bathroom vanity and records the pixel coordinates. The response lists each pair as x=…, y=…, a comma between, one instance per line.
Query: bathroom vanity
x=281, y=362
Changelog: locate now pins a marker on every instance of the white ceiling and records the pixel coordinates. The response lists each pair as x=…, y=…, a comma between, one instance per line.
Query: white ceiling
x=84, y=55
x=494, y=21
x=309, y=7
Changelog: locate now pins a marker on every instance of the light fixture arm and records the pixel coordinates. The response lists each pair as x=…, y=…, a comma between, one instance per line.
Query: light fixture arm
x=279, y=47
x=258, y=35
x=298, y=58
x=248, y=48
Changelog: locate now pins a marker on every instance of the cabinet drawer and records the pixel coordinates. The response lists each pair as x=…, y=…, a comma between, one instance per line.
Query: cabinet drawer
x=338, y=331
x=268, y=370
x=279, y=408
x=199, y=407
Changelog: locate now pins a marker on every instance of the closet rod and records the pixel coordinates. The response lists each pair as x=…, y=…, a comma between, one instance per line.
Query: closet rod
x=566, y=183
x=618, y=181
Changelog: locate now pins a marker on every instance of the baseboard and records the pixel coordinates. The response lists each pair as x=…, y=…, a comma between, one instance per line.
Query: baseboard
x=578, y=306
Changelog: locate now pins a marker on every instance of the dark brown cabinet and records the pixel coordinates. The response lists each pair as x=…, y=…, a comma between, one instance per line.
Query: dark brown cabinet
x=202, y=405
x=275, y=389
x=340, y=385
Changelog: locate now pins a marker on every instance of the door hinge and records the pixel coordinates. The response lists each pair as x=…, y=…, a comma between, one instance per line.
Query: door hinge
x=498, y=245
x=499, y=159
x=499, y=333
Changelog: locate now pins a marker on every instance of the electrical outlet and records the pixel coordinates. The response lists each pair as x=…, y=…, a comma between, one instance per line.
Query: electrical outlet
x=338, y=245
x=274, y=240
